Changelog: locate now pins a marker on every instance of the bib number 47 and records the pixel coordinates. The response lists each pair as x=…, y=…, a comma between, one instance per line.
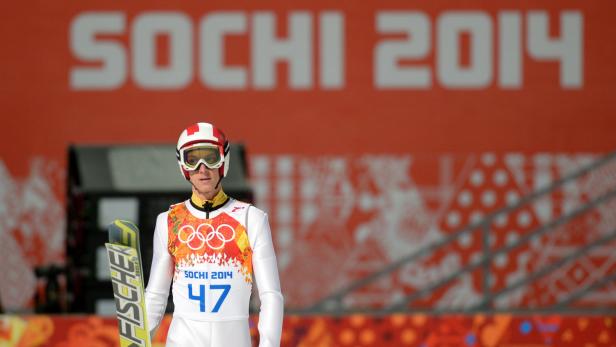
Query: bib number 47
x=201, y=295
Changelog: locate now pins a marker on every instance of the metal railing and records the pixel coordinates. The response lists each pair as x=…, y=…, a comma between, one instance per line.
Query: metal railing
x=334, y=303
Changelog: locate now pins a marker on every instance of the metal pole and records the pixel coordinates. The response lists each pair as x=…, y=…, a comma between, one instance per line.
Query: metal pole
x=487, y=262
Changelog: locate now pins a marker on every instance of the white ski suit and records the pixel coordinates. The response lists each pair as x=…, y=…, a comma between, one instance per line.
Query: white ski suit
x=211, y=258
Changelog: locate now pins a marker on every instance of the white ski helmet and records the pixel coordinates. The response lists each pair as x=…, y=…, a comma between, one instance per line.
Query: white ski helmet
x=198, y=136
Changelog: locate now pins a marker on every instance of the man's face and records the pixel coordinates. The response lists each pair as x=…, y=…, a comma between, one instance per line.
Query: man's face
x=204, y=180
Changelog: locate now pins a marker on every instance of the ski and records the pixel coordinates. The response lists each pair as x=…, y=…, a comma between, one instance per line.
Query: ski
x=127, y=281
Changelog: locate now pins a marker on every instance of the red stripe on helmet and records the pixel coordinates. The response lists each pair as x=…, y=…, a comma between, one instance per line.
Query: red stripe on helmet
x=219, y=135
x=187, y=144
x=192, y=129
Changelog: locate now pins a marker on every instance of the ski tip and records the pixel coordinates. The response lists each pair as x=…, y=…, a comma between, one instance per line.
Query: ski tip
x=124, y=233
x=123, y=224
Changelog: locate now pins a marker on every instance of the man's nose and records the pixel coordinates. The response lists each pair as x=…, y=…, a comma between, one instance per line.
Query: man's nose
x=202, y=168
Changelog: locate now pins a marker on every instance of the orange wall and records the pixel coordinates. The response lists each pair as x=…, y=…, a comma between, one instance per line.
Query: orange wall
x=42, y=113
x=355, y=330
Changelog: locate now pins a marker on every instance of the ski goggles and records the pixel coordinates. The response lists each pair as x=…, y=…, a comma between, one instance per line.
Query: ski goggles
x=208, y=155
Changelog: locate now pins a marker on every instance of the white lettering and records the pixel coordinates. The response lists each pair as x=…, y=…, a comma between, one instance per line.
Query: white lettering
x=567, y=49
x=84, y=45
x=387, y=72
x=510, y=50
x=214, y=73
x=146, y=72
x=405, y=61
x=450, y=72
x=296, y=50
x=331, y=50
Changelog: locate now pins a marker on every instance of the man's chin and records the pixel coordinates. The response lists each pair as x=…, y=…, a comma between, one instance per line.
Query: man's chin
x=204, y=187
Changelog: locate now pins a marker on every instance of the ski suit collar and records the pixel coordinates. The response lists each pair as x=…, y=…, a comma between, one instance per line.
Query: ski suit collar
x=209, y=205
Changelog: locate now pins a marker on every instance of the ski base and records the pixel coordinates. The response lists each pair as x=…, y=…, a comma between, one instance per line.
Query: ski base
x=127, y=281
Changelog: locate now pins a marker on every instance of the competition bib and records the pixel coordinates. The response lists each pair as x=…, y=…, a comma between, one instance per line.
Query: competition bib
x=213, y=265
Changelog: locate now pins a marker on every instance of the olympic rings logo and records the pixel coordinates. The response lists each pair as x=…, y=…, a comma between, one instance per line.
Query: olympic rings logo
x=214, y=238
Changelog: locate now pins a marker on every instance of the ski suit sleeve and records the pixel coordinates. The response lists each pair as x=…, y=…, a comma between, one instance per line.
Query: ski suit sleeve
x=161, y=274
x=266, y=275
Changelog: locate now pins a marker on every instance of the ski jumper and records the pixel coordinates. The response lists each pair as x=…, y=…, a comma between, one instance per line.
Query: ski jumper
x=211, y=256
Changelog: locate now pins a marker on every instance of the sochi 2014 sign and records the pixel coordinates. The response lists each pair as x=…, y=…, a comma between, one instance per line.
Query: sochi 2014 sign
x=456, y=49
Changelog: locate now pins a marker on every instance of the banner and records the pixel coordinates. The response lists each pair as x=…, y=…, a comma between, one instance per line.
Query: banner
x=312, y=77
x=394, y=330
